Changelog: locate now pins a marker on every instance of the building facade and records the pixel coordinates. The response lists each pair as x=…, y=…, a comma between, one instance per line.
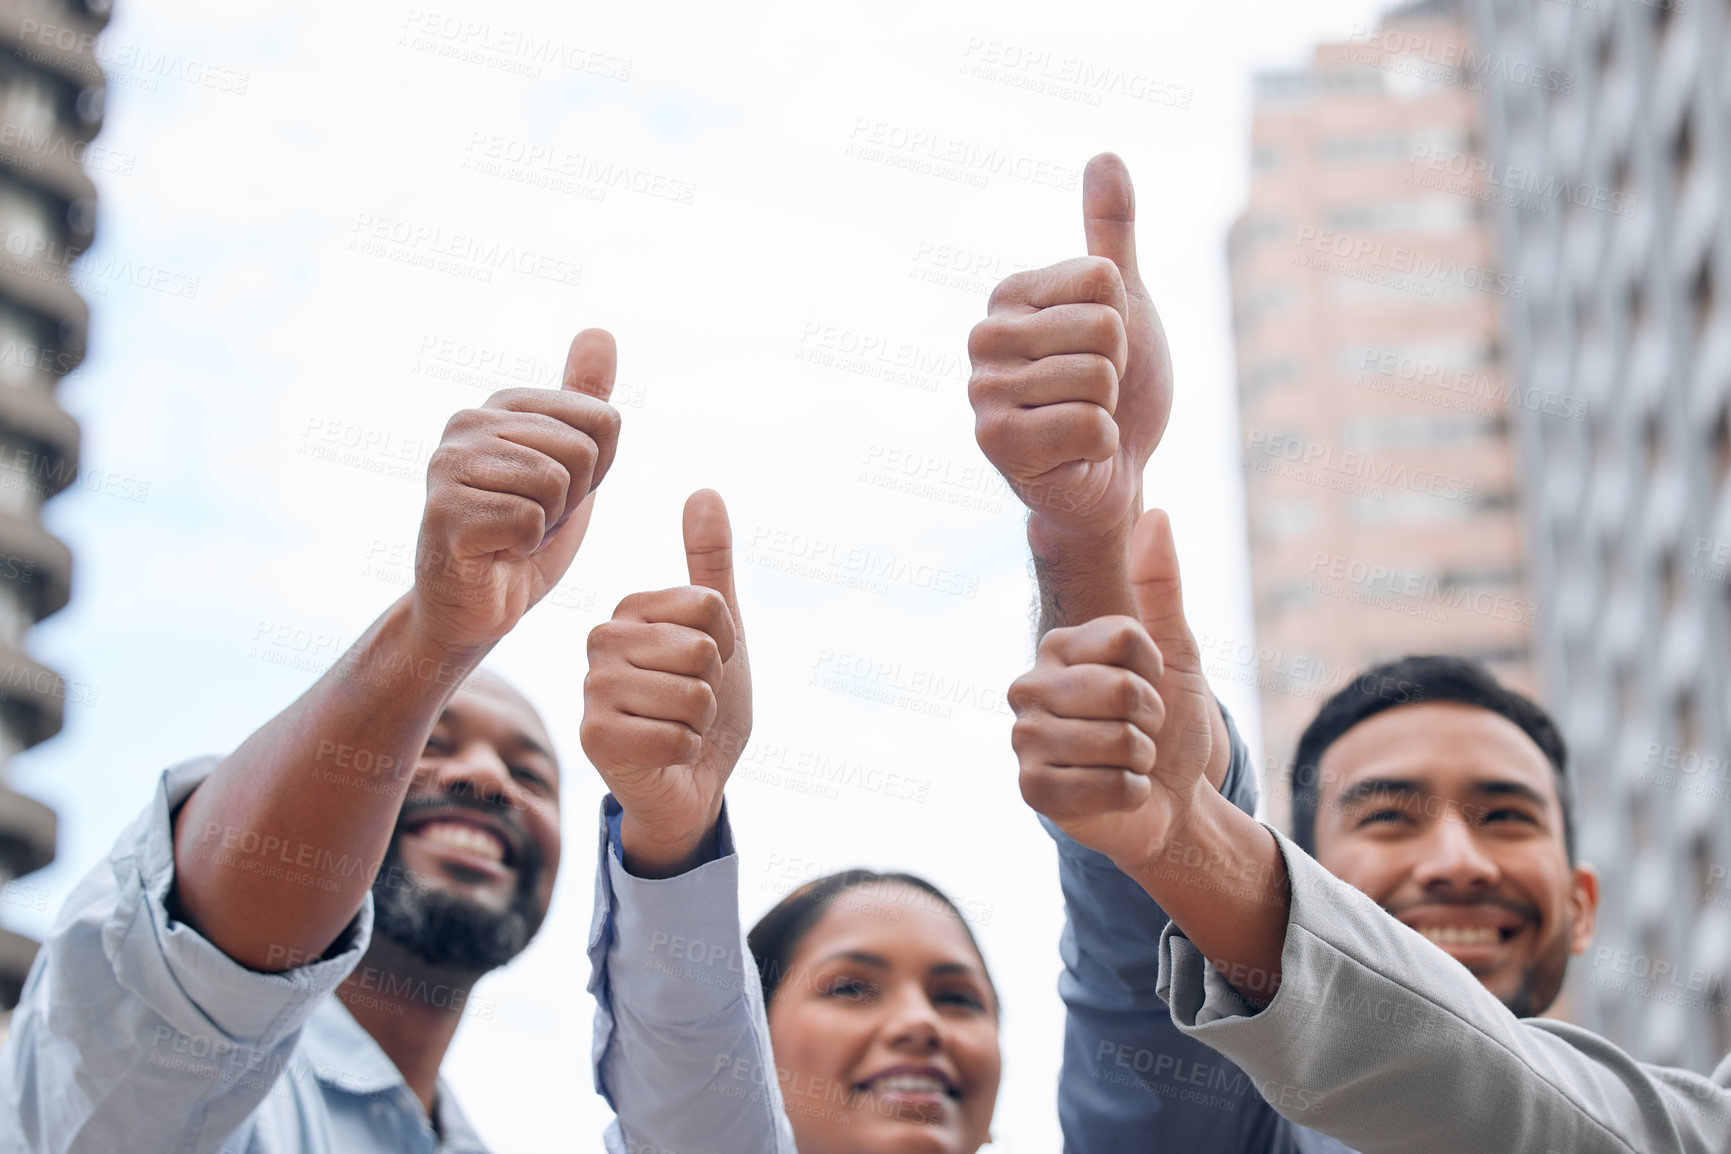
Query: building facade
x=51, y=102
x=1611, y=134
x=1382, y=508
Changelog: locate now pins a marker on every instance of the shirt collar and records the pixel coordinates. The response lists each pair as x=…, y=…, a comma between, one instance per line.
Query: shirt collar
x=343, y=1055
x=345, y=1058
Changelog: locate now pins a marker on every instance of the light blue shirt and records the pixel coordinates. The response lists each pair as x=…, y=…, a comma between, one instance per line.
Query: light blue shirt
x=681, y=1041
x=135, y=1035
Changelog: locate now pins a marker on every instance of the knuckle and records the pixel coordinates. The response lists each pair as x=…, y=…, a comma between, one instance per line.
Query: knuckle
x=987, y=382
x=514, y=396
x=1024, y=734
x=1036, y=787
x=1100, y=281
x=702, y=651
x=1104, y=328
x=602, y=639
x=527, y=520
x=630, y=605
x=1127, y=692
x=608, y=422
x=984, y=338
x=1121, y=637
x=700, y=703
x=1012, y=289
x=994, y=432
x=1101, y=377
x=464, y=420
x=599, y=685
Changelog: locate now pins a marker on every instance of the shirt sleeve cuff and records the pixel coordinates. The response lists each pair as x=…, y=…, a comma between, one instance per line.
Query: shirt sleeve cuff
x=179, y=973
x=674, y=947
x=1240, y=785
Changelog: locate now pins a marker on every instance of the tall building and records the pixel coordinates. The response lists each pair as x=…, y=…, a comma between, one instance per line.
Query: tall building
x=51, y=100
x=1621, y=133
x=1381, y=492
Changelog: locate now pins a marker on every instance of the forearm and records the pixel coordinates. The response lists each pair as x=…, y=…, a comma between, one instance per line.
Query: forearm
x=1221, y=879
x=274, y=854
x=1080, y=578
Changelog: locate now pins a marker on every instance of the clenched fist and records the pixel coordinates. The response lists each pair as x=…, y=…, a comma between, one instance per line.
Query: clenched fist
x=667, y=702
x=1116, y=732
x=509, y=493
x=1072, y=381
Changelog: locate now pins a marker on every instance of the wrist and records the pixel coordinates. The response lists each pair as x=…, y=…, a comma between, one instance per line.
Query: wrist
x=405, y=655
x=1053, y=542
x=1191, y=840
x=659, y=853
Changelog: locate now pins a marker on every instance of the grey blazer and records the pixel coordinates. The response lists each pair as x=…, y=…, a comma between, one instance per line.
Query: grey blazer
x=1378, y=1039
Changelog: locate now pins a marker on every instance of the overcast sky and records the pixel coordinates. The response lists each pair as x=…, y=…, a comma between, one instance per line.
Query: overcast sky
x=781, y=212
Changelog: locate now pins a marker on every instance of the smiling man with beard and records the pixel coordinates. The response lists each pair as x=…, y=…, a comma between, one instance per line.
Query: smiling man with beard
x=388, y=838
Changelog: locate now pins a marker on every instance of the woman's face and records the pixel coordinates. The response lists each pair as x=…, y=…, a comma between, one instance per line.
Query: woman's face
x=885, y=1030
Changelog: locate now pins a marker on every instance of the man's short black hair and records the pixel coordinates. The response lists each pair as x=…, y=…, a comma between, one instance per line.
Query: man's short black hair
x=1414, y=681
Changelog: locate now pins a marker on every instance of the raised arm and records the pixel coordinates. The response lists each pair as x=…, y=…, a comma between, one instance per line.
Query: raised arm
x=509, y=494
x=1114, y=732
x=1346, y=1021
x=681, y=1040
x=1071, y=389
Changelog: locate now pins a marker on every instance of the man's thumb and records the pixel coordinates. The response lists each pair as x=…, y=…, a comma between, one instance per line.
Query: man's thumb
x=1155, y=586
x=1109, y=212
x=591, y=364
x=709, y=545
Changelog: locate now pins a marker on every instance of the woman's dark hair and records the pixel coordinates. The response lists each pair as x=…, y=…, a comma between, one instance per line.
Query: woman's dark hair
x=1416, y=681
x=777, y=935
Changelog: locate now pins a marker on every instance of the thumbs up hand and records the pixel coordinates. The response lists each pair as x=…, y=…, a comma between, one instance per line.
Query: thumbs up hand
x=1117, y=734
x=667, y=702
x=1072, y=381
x=509, y=493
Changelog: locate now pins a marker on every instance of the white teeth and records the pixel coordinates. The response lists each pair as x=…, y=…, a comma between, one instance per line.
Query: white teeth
x=460, y=835
x=908, y=1084
x=1462, y=935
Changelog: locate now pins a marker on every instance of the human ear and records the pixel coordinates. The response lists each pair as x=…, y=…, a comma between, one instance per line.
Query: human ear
x=1584, y=905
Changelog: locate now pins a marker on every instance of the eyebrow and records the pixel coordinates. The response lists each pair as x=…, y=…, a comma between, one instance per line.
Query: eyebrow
x=1376, y=787
x=1380, y=786
x=878, y=963
x=1510, y=789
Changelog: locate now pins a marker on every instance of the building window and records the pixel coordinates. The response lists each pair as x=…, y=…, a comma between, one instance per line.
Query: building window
x=1701, y=295
x=30, y=107
x=1268, y=375
x=19, y=355
x=1288, y=596
x=1410, y=432
x=1432, y=214
x=1260, y=305
x=1720, y=445
x=1282, y=520
x=27, y=226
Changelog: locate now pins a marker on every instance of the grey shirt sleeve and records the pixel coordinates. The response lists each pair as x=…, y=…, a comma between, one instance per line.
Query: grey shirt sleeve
x=133, y=1031
x=681, y=1048
x=1380, y=1039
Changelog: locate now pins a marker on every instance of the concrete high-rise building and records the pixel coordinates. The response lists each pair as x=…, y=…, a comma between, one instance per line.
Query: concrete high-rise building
x=1610, y=134
x=1382, y=503
x=51, y=100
